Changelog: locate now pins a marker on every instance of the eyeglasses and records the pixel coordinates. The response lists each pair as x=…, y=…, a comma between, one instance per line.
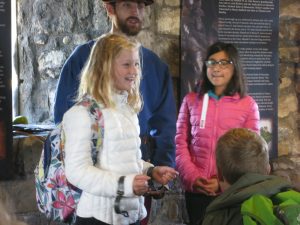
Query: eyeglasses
x=222, y=63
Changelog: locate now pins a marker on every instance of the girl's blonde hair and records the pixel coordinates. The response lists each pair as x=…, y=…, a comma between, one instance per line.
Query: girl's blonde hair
x=97, y=75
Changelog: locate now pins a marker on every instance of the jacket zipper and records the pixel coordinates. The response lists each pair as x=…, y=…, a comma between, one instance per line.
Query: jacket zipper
x=213, y=136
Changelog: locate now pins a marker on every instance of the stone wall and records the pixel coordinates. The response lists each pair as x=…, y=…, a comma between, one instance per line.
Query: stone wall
x=288, y=162
x=48, y=30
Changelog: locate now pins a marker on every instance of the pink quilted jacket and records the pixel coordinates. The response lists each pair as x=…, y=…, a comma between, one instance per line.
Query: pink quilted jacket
x=195, y=147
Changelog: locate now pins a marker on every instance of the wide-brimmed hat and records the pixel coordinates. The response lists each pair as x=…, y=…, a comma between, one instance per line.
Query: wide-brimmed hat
x=147, y=2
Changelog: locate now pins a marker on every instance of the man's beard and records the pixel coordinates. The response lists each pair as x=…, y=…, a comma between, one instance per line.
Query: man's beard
x=127, y=29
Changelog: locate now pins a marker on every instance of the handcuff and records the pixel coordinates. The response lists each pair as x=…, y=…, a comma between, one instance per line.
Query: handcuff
x=154, y=191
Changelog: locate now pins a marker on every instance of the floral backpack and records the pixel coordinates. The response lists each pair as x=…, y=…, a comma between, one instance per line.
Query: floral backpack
x=56, y=197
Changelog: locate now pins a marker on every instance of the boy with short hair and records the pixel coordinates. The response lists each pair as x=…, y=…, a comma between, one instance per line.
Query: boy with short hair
x=243, y=164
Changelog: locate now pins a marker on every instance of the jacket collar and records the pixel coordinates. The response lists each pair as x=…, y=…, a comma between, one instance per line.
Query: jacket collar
x=211, y=94
x=245, y=187
x=120, y=98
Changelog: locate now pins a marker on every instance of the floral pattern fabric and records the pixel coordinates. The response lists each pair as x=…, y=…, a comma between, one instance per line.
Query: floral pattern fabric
x=56, y=197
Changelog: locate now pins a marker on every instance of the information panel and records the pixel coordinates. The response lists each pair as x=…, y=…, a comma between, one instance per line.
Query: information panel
x=5, y=90
x=252, y=25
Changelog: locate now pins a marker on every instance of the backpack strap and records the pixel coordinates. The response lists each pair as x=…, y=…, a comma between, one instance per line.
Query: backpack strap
x=287, y=206
x=94, y=110
x=49, y=141
x=259, y=208
x=289, y=197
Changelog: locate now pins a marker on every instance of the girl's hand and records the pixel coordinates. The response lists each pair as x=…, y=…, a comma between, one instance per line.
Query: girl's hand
x=140, y=184
x=207, y=186
x=212, y=186
x=198, y=185
x=163, y=174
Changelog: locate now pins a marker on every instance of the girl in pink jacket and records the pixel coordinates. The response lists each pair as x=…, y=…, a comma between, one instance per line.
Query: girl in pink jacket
x=219, y=104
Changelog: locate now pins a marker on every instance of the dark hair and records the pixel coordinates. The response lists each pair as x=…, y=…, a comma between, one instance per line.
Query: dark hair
x=241, y=151
x=237, y=82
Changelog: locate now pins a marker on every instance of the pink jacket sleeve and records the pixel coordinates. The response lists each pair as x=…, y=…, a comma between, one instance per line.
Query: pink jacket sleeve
x=187, y=169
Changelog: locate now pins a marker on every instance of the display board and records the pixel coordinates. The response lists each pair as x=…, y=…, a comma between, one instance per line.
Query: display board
x=252, y=25
x=5, y=90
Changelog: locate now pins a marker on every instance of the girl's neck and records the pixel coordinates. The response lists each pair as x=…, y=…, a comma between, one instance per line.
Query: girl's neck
x=219, y=91
x=118, y=91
